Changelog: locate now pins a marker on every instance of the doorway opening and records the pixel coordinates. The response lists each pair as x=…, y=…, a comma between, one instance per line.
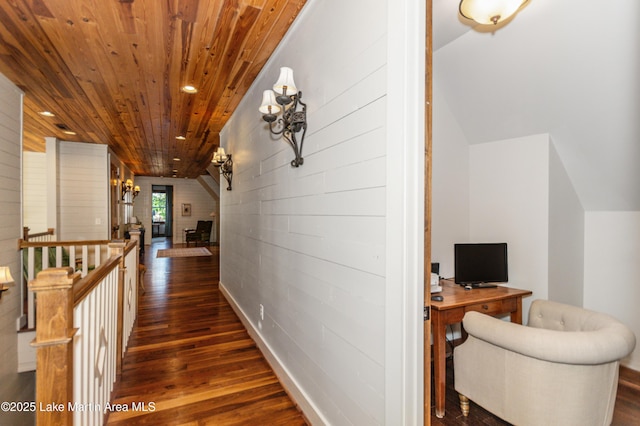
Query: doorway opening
x=161, y=211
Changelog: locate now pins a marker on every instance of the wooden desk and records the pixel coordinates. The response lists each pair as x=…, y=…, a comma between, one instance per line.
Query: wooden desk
x=457, y=301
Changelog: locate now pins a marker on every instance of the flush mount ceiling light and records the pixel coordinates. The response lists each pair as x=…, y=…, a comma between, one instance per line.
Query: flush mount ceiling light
x=189, y=89
x=65, y=129
x=487, y=12
x=47, y=114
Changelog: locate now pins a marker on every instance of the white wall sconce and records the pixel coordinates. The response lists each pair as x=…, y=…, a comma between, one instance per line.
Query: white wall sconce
x=292, y=120
x=127, y=187
x=487, y=12
x=5, y=278
x=224, y=162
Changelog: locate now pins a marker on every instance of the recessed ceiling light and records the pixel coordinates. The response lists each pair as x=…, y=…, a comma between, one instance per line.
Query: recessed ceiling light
x=47, y=114
x=176, y=159
x=69, y=132
x=189, y=89
x=181, y=138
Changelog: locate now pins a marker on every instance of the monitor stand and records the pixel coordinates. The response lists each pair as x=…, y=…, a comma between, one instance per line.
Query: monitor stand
x=484, y=285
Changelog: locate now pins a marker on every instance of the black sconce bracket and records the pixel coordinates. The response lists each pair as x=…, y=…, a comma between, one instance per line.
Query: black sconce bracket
x=292, y=122
x=226, y=170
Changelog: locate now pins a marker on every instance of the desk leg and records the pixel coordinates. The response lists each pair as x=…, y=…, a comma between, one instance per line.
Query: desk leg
x=439, y=361
x=516, y=316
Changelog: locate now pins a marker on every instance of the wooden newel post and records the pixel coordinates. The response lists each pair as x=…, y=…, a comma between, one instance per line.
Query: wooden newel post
x=117, y=249
x=135, y=236
x=54, y=345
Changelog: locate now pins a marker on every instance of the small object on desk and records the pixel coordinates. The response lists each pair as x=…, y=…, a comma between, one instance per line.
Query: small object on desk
x=437, y=298
x=435, y=283
x=467, y=287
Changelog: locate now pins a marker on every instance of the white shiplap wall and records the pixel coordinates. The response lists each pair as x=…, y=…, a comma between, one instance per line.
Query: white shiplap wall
x=34, y=187
x=83, y=210
x=311, y=244
x=10, y=222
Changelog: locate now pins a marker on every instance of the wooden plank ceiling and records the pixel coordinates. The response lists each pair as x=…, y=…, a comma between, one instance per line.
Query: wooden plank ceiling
x=112, y=70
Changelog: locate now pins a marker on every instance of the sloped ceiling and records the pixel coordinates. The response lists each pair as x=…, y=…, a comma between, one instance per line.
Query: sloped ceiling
x=569, y=68
x=448, y=25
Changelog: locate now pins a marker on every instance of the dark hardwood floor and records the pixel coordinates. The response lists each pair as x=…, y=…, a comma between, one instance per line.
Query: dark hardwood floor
x=627, y=410
x=453, y=414
x=190, y=360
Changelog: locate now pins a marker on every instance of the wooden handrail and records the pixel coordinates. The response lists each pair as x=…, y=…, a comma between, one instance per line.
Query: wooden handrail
x=25, y=244
x=130, y=246
x=85, y=285
x=26, y=236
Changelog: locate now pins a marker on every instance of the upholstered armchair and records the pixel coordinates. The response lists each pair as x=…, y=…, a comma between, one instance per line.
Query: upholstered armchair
x=560, y=369
x=201, y=234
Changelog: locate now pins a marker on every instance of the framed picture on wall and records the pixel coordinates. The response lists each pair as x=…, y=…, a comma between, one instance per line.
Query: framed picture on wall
x=186, y=209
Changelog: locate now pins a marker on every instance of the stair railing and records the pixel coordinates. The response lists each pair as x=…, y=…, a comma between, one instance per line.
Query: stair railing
x=47, y=235
x=82, y=329
x=40, y=255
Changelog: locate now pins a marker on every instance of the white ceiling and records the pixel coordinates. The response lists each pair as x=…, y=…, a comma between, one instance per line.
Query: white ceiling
x=569, y=68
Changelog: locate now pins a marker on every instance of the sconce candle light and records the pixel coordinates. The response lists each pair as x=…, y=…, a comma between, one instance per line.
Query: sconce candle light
x=222, y=160
x=5, y=278
x=127, y=187
x=293, y=119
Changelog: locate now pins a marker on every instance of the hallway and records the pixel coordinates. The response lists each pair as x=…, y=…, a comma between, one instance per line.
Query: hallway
x=190, y=360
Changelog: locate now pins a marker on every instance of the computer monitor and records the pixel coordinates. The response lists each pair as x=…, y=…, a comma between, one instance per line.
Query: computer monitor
x=480, y=263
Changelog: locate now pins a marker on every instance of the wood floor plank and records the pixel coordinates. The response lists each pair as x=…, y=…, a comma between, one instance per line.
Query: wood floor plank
x=190, y=361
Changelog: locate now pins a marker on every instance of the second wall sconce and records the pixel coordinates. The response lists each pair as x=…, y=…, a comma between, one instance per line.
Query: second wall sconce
x=5, y=278
x=224, y=162
x=293, y=120
x=127, y=187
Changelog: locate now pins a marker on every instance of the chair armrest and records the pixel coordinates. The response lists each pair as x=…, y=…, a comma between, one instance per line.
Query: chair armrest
x=610, y=343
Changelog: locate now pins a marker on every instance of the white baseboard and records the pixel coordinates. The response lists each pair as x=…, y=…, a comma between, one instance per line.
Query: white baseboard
x=26, y=352
x=296, y=393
